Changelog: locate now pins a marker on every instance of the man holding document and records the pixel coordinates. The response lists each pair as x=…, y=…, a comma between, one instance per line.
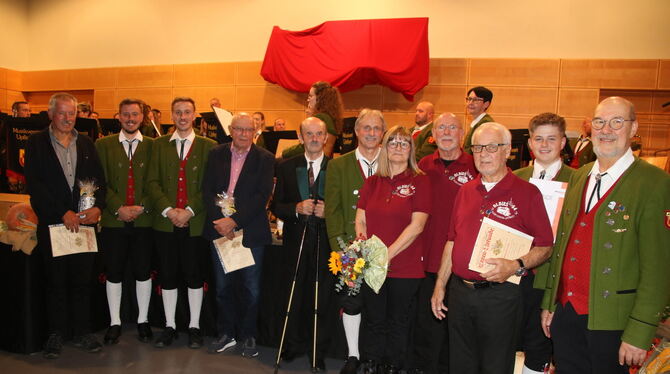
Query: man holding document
x=67, y=191
x=235, y=192
x=485, y=306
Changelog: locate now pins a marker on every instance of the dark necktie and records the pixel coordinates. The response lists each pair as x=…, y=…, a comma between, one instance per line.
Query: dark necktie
x=370, y=167
x=543, y=173
x=310, y=174
x=181, y=153
x=130, y=148
x=596, y=190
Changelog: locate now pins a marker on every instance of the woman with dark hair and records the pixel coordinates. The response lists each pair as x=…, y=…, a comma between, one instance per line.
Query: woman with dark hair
x=394, y=205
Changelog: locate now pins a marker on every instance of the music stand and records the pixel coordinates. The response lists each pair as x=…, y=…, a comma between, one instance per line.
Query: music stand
x=519, y=149
x=110, y=126
x=271, y=138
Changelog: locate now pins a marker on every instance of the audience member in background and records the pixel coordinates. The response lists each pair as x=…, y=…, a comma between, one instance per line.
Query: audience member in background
x=547, y=139
x=84, y=110
x=582, y=147
x=258, y=118
x=147, y=128
x=422, y=132
x=477, y=102
x=94, y=115
x=21, y=109
x=279, y=125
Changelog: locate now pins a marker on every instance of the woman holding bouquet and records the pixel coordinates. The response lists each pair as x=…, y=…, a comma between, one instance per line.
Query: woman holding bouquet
x=394, y=205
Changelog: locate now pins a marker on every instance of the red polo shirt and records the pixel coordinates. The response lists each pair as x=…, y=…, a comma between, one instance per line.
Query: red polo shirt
x=512, y=202
x=445, y=183
x=389, y=204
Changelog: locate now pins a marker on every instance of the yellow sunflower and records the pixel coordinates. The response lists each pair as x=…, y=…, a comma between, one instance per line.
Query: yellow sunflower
x=334, y=263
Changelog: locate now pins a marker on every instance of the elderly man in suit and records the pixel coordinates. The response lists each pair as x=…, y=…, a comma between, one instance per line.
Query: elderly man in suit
x=345, y=178
x=299, y=202
x=58, y=159
x=609, y=277
x=126, y=221
x=174, y=181
x=243, y=171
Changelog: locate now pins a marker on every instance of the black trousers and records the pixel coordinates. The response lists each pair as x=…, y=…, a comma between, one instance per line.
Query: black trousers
x=386, y=320
x=578, y=350
x=68, y=288
x=532, y=341
x=179, y=259
x=431, y=335
x=299, y=333
x=483, y=327
x=126, y=247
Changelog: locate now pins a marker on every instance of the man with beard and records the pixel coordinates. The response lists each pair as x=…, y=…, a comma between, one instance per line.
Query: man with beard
x=175, y=175
x=422, y=132
x=126, y=220
x=609, y=279
x=345, y=177
x=21, y=109
x=477, y=102
x=448, y=169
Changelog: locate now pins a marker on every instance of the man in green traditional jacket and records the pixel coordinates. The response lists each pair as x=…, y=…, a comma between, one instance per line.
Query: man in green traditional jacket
x=344, y=180
x=609, y=279
x=477, y=102
x=422, y=133
x=547, y=139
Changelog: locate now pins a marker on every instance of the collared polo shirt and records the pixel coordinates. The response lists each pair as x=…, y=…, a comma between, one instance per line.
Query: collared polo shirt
x=389, y=204
x=512, y=202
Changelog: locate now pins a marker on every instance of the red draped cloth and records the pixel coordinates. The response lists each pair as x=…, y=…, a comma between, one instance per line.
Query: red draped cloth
x=351, y=54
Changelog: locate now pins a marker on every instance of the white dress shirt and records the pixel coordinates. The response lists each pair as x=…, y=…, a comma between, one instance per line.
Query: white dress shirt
x=607, y=180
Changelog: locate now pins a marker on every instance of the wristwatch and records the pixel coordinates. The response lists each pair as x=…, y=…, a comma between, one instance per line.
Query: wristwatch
x=521, y=271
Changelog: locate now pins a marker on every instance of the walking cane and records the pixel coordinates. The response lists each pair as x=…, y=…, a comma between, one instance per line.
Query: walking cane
x=290, y=300
x=316, y=297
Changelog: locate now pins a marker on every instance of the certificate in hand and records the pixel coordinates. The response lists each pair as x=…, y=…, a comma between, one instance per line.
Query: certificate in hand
x=232, y=254
x=64, y=242
x=553, y=194
x=496, y=240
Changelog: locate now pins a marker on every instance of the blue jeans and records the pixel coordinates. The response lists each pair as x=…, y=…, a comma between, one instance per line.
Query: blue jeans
x=237, y=296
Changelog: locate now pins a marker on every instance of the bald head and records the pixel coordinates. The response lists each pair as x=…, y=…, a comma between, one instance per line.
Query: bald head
x=424, y=113
x=447, y=132
x=619, y=102
x=313, y=135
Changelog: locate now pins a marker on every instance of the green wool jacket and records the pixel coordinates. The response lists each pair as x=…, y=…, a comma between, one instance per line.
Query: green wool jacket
x=629, y=279
x=425, y=144
x=542, y=271
x=344, y=180
x=114, y=160
x=162, y=181
x=468, y=138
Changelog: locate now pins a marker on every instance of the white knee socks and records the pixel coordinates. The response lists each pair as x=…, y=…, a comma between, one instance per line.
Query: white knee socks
x=114, y=302
x=194, y=304
x=351, y=327
x=143, y=291
x=169, y=306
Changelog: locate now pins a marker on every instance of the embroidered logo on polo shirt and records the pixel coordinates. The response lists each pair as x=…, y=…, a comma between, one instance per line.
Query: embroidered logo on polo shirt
x=405, y=190
x=504, y=210
x=461, y=177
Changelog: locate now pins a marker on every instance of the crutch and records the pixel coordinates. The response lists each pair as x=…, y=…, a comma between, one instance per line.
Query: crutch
x=290, y=300
x=316, y=295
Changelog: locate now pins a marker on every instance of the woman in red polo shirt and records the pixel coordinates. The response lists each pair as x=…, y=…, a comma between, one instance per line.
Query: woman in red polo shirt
x=394, y=205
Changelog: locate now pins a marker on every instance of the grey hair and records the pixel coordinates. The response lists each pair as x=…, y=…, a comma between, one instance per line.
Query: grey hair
x=374, y=113
x=504, y=131
x=61, y=96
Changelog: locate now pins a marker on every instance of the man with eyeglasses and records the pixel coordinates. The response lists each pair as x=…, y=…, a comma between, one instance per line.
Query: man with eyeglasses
x=345, y=177
x=609, y=279
x=242, y=171
x=485, y=310
x=173, y=185
x=448, y=168
x=477, y=103
x=422, y=132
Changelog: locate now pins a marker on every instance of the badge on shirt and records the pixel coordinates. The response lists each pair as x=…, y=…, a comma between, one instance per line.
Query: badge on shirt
x=461, y=177
x=405, y=190
x=505, y=210
x=431, y=140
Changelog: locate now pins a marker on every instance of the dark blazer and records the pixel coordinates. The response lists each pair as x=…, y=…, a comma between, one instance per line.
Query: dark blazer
x=293, y=187
x=50, y=195
x=252, y=192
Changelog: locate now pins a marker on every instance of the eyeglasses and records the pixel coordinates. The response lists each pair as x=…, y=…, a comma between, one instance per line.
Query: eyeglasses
x=615, y=123
x=398, y=143
x=243, y=130
x=444, y=128
x=490, y=148
x=473, y=99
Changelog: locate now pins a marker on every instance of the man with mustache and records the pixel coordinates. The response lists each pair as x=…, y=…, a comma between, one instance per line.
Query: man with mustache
x=299, y=202
x=477, y=102
x=422, y=132
x=609, y=278
x=448, y=169
x=126, y=235
x=178, y=162
x=57, y=159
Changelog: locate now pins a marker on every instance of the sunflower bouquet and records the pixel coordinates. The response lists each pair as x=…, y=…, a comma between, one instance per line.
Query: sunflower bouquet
x=360, y=260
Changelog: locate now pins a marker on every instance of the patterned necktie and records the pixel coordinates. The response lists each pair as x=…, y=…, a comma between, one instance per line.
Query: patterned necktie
x=181, y=153
x=310, y=174
x=596, y=190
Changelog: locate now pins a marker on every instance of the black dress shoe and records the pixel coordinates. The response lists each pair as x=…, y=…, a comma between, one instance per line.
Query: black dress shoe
x=166, y=337
x=87, y=343
x=319, y=367
x=112, y=335
x=144, y=333
x=53, y=346
x=351, y=366
x=371, y=367
x=194, y=338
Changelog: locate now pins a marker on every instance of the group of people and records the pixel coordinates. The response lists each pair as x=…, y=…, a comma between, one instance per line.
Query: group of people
x=589, y=299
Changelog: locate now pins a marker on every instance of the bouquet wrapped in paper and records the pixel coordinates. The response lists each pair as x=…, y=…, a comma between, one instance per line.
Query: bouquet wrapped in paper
x=87, y=190
x=362, y=260
x=226, y=203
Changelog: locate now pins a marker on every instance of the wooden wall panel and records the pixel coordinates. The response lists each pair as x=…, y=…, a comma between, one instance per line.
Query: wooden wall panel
x=664, y=75
x=511, y=121
x=202, y=95
x=249, y=73
x=39, y=100
x=514, y=72
x=14, y=80
x=399, y=118
x=641, y=99
x=3, y=78
x=448, y=71
x=48, y=80
x=630, y=74
x=5, y=105
x=13, y=96
x=146, y=76
x=366, y=97
x=81, y=79
x=105, y=99
x=573, y=126
x=445, y=99
x=660, y=113
x=293, y=118
x=254, y=98
x=518, y=100
x=204, y=75
x=577, y=102
x=160, y=98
